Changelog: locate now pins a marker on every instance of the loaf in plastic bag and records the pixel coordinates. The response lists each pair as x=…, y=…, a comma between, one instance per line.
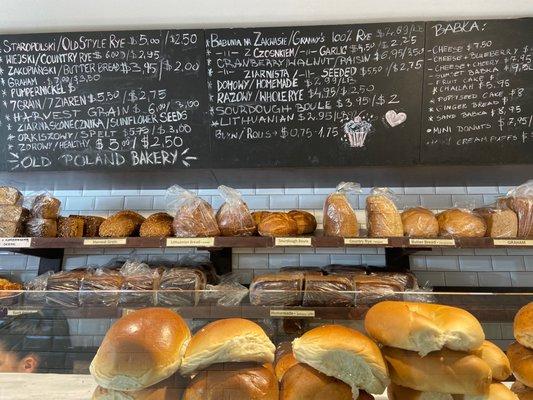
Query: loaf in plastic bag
x=10, y=229
x=35, y=289
x=45, y=206
x=202, y=262
x=282, y=289
x=339, y=217
x=140, y=281
x=228, y=292
x=383, y=218
x=193, y=216
x=331, y=290
x=457, y=222
x=10, y=196
x=500, y=222
x=520, y=200
x=419, y=222
x=234, y=217
x=180, y=286
x=63, y=288
x=38, y=227
x=101, y=279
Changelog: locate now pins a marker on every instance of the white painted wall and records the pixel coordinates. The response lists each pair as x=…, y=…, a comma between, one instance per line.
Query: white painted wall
x=61, y=15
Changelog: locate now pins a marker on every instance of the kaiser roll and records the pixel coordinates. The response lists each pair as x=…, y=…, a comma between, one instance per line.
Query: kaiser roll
x=170, y=389
x=339, y=217
x=227, y=340
x=522, y=391
x=277, y=224
x=444, y=371
x=305, y=220
x=140, y=350
x=521, y=359
x=497, y=391
x=496, y=358
x=460, y=223
x=419, y=222
x=523, y=326
x=345, y=354
x=423, y=327
x=383, y=217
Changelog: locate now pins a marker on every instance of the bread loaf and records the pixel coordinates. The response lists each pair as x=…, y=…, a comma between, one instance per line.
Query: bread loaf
x=521, y=359
x=281, y=289
x=67, y=284
x=9, y=196
x=278, y=224
x=70, y=227
x=227, y=340
x=378, y=286
x=157, y=225
x=383, y=218
x=108, y=281
x=258, y=216
x=11, y=213
x=45, y=206
x=233, y=217
x=460, y=223
x=339, y=217
x=497, y=391
x=140, y=350
x=195, y=219
x=37, y=227
x=306, y=221
x=180, y=286
x=121, y=224
x=10, y=229
x=443, y=371
x=523, y=326
x=523, y=207
x=500, y=222
x=345, y=354
x=331, y=290
x=419, y=222
x=91, y=224
x=423, y=327
x=522, y=391
x=496, y=358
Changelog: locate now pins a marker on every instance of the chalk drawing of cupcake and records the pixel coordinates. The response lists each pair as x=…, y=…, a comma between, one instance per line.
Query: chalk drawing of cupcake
x=356, y=131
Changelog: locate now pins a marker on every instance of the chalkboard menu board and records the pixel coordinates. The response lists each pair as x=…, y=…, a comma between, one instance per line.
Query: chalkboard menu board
x=478, y=92
x=103, y=100
x=315, y=96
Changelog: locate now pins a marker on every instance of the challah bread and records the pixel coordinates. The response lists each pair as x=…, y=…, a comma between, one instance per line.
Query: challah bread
x=497, y=391
x=345, y=354
x=496, y=358
x=523, y=326
x=521, y=359
x=423, y=327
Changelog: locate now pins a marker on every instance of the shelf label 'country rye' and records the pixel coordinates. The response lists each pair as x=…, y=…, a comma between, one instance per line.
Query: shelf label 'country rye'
x=365, y=241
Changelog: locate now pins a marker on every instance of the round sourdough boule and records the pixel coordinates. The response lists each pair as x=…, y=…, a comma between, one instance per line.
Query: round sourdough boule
x=345, y=354
x=227, y=340
x=140, y=350
x=523, y=326
x=423, y=327
x=277, y=224
x=497, y=391
x=521, y=359
x=305, y=220
x=496, y=358
x=522, y=391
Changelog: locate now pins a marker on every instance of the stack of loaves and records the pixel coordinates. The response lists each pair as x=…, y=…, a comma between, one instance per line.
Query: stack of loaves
x=437, y=352
x=520, y=353
x=12, y=215
x=43, y=216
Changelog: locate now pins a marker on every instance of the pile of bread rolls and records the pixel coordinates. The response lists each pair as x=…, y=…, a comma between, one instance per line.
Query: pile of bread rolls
x=520, y=353
x=437, y=352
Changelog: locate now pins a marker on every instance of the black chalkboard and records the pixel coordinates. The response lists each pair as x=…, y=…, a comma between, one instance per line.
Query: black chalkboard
x=103, y=100
x=316, y=96
x=478, y=92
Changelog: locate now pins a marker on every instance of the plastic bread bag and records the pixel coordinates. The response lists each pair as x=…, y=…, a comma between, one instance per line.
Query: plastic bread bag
x=461, y=222
x=180, y=287
x=339, y=217
x=500, y=221
x=101, y=287
x=11, y=229
x=40, y=227
x=331, y=290
x=43, y=205
x=378, y=285
x=193, y=216
x=382, y=216
x=13, y=213
x=234, y=217
x=63, y=288
x=202, y=262
x=419, y=222
x=520, y=200
x=228, y=292
x=10, y=194
x=277, y=289
x=35, y=289
x=139, y=284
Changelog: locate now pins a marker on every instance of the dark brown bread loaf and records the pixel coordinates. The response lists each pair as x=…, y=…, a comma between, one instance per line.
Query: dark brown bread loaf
x=328, y=290
x=45, y=206
x=122, y=224
x=157, y=225
x=38, y=227
x=91, y=224
x=281, y=289
x=70, y=227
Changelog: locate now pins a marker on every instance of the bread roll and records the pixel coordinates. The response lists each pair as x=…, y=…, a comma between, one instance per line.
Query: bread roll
x=227, y=340
x=305, y=220
x=383, y=217
x=140, y=350
x=521, y=359
x=496, y=358
x=284, y=359
x=121, y=224
x=277, y=224
x=419, y=222
x=460, y=223
x=339, y=217
x=239, y=382
x=500, y=223
x=157, y=225
x=444, y=371
x=523, y=326
x=345, y=354
x=522, y=391
x=523, y=207
x=423, y=327
x=170, y=389
x=233, y=217
x=301, y=382
x=497, y=391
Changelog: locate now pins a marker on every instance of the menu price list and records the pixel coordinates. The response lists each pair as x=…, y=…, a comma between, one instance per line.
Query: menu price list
x=103, y=100
x=478, y=104
x=316, y=95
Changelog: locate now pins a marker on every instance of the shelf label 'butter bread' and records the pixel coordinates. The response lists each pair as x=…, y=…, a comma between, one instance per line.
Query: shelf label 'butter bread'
x=513, y=242
x=16, y=242
x=191, y=242
x=365, y=241
x=432, y=242
x=104, y=242
x=292, y=241
x=292, y=313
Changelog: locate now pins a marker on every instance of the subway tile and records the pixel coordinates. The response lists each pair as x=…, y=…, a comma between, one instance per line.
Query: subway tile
x=159, y=203
x=492, y=330
x=125, y=192
x=468, y=201
x=330, y=250
x=417, y=263
x=457, y=252
x=408, y=201
x=283, y=202
x=68, y=193
x=420, y=190
x=152, y=192
x=268, y=191
x=208, y=192
x=508, y=263
x=505, y=189
x=246, y=191
x=299, y=250
x=283, y=260
x=99, y=260
x=253, y=261
x=361, y=250
x=299, y=191
x=490, y=199
x=154, y=259
x=524, y=279
x=442, y=263
x=347, y=259
x=314, y=260
x=325, y=191
x=91, y=326
x=33, y=262
x=270, y=250
x=96, y=193
x=461, y=279
x=313, y=202
x=436, y=201
x=482, y=189
x=75, y=262
x=520, y=252
x=528, y=262
x=490, y=252
x=430, y=278
x=216, y=202
x=109, y=203
x=243, y=250
x=475, y=263
x=496, y=279
x=79, y=203
x=257, y=202
x=14, y=262
x=139, y=203
x=373, y=260
x=507, y=331
x=450, y=190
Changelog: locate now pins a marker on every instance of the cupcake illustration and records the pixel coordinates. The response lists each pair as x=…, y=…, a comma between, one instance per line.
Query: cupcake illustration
x=356, y=131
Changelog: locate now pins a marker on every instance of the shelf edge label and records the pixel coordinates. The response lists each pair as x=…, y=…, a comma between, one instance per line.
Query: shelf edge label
x=293, y=313
x=366, y=241
x=191, y=242
x=104, y=242
x=292, y=241
x=15, y=242
x=513, y=242
x=432, y=242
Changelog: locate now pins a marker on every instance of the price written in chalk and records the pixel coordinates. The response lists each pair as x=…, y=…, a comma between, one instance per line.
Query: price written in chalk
x=293, y=313
x=191, y=242
x=105, y=242
x=293, y=241
x=366, y=241
x=513, y=242
x=15, y=242
x=432, y=242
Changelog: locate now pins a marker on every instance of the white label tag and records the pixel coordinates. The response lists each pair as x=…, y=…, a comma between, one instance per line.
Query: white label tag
x=513, y=242
x=104, y=242
x=366, y=241
x=293, y=313
x=292, y=241
x=21, y=312
x=191, y=242
x=15, y=242
x=433, y=242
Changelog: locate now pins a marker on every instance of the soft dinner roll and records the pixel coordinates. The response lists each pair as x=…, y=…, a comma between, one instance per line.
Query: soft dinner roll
x=521, y=359
x=169, y=389
x=345, y=354
x=227, y=340
x=284, y=359
x=423, y=327
x=523, y=326
x=234, y=382
x=301, y=382
x=522, y=391
x=497, y=391
x=496, y=358
x=140, y=350
x=444, y=371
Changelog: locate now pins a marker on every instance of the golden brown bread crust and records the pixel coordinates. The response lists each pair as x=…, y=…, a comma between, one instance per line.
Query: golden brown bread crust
x=235, y=220
x=521, y=359
x=457, y=372
x=460, y=223
x=170, y=389
x=259, y=215
x=277, y=224
x=157, y=225
x=523, y=207
x=70, y=227
x=497, y=391
x=496, y=358
x=244, y=383
x=9, y=196
x=522, y=391
x=122, y=224
x=140, y=350
x=305, y=220
x=523, y=326
x=284, y=359
x=339, y=217
x=8, y=285
x=500, y=223
x=419, y=222
x=383, y=217
x=195, y=219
